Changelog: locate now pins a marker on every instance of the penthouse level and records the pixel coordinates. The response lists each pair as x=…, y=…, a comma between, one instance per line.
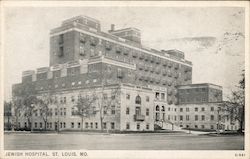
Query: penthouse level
x=75, y=38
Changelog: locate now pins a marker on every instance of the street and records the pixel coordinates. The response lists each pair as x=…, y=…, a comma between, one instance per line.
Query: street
x=97, y=141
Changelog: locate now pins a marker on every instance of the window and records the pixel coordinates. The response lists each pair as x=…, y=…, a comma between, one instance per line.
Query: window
x=86, y=125
x=60, y=54
x=64, y=111
x=212, y=109
x=212, y=117
x=181, y=109
x=187, y=117
x=196, y=117
x=147, y=111
x=64, y=125
x=163, y=108
x=72, y=99
x=104, y=125
x=127, y=110
x=96, y=125
x=128, y=96
x=79, y=125
x=202, y=126
x=203, y=109
x=211, y=127
x=138, y=126
x=112, y=109
x=147, y=126
x=112, y=125
x=55, y=111
x=157, y=108
x=147, y=98
x=72, y=125
x=61, y=125
x=181, y=118
x=203, y=117
x=91, y=125
x=127, y=126
x=196, y=126
x=138, y=100
x=105, y=110
x=35, y=124
x=175, y=117
x=196, y=109
x=113, y=96
x=163, y=96
x=64, y=99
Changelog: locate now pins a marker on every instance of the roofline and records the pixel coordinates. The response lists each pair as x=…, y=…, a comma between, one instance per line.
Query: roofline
x=200, y=84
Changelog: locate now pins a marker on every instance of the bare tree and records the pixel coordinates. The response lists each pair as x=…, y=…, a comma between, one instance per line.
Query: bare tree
x=28, y=106
x=84, y=107
x=7, y=114
x=235, y=106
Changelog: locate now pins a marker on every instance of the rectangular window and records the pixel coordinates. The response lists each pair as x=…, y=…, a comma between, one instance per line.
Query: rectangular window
x=79, y=125
x=86, y=125
x=128, y=96
x=147, y=98
x=212, y=117
x=196, y=117
x=162, y=96
x=41, y=125
x=181, y=118
x=72, y=125
x=202, y=126
x=196, y=109
x=203, y=117
x=64, y=125
x=147, y=112
x=112, y=125
x=91, y=125
x=35, y=124
x=203, y=109
x=105, y=96
x=181, y=109
x=64, y=111
x=138, y=126
x=211, y=127
x=127, y=111
x=147, y=126
x=113, y=109
x=196, y=126
x=127, y=126
x=187, y=117
x=212, y=109
x=96, y=125
x=104, y=125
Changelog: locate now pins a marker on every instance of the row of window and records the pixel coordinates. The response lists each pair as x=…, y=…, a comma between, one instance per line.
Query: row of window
x=196, y=109
x=181, y=117
x=137, y=111
x=138, y=126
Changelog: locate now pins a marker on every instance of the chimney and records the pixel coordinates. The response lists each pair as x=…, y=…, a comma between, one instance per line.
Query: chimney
x=112, y=27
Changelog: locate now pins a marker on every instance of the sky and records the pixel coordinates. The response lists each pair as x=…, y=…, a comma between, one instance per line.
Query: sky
x=211, y=37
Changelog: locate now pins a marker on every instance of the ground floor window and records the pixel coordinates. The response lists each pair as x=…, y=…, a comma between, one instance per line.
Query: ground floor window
x=35, y=124
x=138, y=126
x=202, y=126
x=41, y=125
x=86, y=125
x=96, y=125
x=127, y=126
x=147, y=126
x=104, y=125
x=181, y=126
x=196, y=126
x=64, y=125
x=112, y=125
x=212, y=127
x=79, y=125
x=91, y=125
x=72, y=125
x=187, y=126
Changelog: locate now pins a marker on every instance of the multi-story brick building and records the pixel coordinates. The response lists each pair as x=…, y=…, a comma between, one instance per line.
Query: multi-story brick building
x=83, y=59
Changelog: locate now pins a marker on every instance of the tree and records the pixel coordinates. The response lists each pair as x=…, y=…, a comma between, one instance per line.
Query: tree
x=84, y=107
x=17, y=107
x=43, y=106
x=28, y=106
x=7, y=114
x=107, y=104
x=235, y=105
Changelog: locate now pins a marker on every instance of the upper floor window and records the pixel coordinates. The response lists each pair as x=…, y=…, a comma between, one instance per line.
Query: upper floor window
x=147, y=98
x=127, y=96
x=157, y=108
x=138, y=100
x=163, y=108
x=196, y=109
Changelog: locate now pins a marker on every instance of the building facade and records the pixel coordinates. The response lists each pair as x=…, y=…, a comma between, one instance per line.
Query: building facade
x=84, y=59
